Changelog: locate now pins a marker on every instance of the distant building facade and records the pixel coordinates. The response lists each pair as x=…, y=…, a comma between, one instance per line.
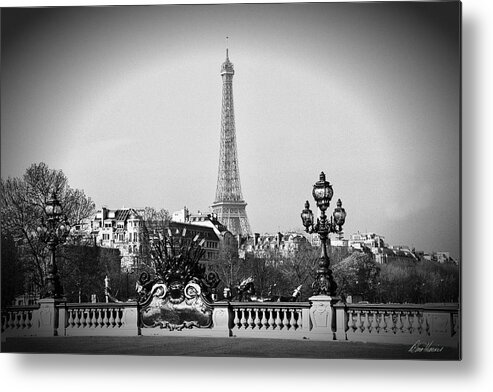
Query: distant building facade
x=220, y=239
x=120, y=229
x=123, y=229
x=279, y=244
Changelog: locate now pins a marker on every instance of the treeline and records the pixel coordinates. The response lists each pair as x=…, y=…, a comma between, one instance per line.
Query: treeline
x=356, y=274
x=25, y=257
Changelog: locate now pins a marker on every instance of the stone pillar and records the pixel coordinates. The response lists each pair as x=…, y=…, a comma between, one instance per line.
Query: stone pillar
x=130, y=321
x=45, y=319
x=62, y=319
x=440, y=327
x=221, y=319
x=341, y=320
x=323, y=317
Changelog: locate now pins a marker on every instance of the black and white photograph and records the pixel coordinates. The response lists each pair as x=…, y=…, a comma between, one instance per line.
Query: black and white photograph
x=232, y=180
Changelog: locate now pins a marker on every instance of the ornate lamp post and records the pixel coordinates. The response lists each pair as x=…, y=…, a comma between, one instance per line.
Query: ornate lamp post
x=54, y=232
x=324, y=284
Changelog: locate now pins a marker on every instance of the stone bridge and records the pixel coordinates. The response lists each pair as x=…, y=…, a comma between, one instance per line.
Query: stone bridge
x=322, y=318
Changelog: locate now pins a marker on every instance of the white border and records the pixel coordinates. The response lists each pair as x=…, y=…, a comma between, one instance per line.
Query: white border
x=108, y=373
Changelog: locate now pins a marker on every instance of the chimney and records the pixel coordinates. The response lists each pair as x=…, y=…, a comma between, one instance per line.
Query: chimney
x=279, y=239
x=104, y=212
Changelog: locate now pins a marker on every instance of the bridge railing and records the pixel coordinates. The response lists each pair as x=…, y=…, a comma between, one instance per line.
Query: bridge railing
x=263, y=319
x=97, y=319
x=54, y=318
x=323, y=318
x=398, y=323
x=18, y=321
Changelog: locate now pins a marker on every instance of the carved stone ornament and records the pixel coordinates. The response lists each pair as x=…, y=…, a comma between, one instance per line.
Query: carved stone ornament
x=179, y=296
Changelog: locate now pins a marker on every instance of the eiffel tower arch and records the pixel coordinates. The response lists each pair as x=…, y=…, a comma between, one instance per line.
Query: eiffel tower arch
x=229, y=205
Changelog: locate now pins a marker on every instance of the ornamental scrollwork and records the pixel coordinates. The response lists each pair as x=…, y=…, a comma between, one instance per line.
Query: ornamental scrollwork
x=179, y=296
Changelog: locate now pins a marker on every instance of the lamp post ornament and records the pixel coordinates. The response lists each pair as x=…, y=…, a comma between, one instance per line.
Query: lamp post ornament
x=324, y=283
x=106, y=288
x=53, y=233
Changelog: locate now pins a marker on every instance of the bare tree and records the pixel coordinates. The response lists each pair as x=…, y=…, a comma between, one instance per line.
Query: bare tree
x=22, y=209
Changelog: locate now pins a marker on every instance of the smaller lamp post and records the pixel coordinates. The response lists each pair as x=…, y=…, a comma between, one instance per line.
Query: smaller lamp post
x=54, y=232
x=324, y=283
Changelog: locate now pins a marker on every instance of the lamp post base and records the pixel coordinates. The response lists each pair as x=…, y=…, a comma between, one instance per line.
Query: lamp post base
x=47, y=316
x=323, y=316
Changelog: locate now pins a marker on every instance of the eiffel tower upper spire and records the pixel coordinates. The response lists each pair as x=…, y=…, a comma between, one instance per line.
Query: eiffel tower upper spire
x=227, y=67
x=229, y=204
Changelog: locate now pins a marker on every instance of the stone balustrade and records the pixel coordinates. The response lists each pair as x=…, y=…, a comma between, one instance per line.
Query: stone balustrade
x=54, y=318
x=323, y=318
x=99, y=319
x=398, y=323
x=274, y=319
x=18, y=321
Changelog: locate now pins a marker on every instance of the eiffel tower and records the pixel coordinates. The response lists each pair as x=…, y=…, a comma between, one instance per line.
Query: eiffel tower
x=229, y=205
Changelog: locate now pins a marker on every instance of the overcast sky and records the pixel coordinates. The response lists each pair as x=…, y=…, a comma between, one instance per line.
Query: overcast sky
x=127, y=102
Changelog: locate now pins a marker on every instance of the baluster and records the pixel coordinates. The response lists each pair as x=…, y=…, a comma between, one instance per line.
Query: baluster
x=94, y=318
x=26, y=319
x=29, y=323
x=90, y=318
x=256, y=321
x=407, y=324
x=391, y=322
x=243, y=318
x=292, y=320
x=17, y=320
x=249, y=323
x=278, y=319
x=366, y=323
x=236, y=320
x=272, y=322
x=264, y=322
x=300, y=318
x=83, y=317
x=285, y=320
x=13, y=317
x=119, y=318
x=112, y=318
x=424, y=325
x=350, y=321
x=415, y=324
x=374, y=322
x=70, y=320
x=398, y=324
x=240, y=325
x=382, y=325
x=21, y=319
x=359, y=323
x=100, y=318
x=77, y=318
x=116, y=317
x=106, y=322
